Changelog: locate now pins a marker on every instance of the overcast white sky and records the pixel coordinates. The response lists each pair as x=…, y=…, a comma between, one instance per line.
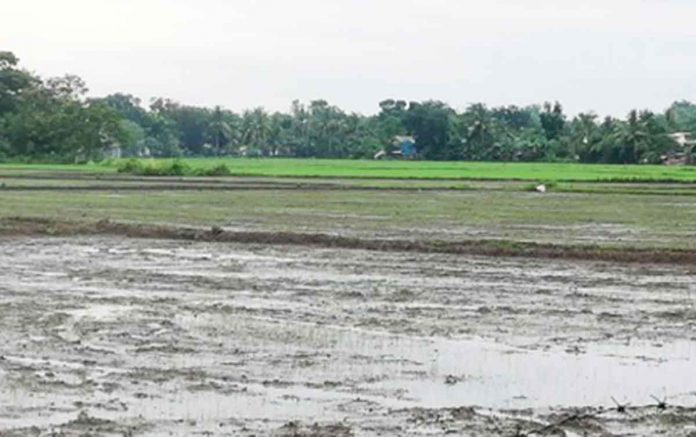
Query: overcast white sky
x=609, y=55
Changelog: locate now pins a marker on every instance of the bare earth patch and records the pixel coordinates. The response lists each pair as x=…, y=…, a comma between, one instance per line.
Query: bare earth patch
x=114, y=336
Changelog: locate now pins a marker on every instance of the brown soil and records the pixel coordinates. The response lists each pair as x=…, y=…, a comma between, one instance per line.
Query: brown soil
x=40, y=226
x=125, y=336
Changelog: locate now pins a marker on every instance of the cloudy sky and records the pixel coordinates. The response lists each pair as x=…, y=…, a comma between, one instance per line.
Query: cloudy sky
x=608, y=55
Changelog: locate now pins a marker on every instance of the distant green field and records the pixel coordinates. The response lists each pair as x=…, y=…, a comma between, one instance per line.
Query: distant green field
x=325, y=168
x=9, y=168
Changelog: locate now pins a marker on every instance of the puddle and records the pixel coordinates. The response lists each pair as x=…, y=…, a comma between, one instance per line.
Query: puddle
x=99, y=312
x=497, y=377
x=413, y=371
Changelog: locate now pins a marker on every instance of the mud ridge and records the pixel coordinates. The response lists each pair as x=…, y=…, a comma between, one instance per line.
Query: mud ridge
x=182, y=187
x=22, y=226
x=232, y=187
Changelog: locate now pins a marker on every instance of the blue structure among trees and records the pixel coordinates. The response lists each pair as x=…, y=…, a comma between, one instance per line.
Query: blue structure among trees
x=406, y=146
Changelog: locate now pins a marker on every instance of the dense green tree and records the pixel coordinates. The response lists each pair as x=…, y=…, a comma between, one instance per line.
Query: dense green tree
x=52, y=119
x=514, y=117
x=148, y=133
x=134, y=138
x=219, y=131
x=552, y=120
x=13, y=81
x=255, y=132
x=192, y=124
x=281, y=138
x=681, y=117
x=480, y=136
x=430, y=123
x=327, y=129
x=642, y=138
x=127, y=106
x=391, y=120
x=584, y=137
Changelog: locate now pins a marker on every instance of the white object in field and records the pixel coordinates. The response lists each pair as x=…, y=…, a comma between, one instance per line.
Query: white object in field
x=541, y=188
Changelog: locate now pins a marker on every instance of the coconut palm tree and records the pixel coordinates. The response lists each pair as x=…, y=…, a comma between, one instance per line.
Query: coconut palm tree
x=256, y=129
x=584, y=135
x=219, y=131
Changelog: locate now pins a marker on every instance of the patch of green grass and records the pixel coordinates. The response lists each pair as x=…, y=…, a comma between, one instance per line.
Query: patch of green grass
x=369, y=169
x=451, y=170
x=106, y=167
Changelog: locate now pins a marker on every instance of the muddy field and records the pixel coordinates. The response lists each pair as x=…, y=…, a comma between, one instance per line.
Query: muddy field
x=628, y=216
x=118, y=336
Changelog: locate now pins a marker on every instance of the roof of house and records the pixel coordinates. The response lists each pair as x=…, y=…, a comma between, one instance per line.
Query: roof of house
x=683, y=138
x=400, y=139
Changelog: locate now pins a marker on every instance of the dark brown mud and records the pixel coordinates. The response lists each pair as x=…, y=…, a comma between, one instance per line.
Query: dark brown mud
x=495, y=248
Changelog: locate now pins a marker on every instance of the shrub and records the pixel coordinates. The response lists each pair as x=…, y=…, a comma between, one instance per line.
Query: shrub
x=137, y=167
x=177, y=168
x=218, y=170
x=131, y=166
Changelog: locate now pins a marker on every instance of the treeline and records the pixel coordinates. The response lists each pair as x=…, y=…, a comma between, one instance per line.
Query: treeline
x=52, y=119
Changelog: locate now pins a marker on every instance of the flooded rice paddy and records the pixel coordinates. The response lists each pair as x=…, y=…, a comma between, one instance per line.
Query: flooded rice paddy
x=154, y=337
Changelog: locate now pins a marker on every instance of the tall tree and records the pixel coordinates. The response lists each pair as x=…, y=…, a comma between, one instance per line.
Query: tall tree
x=553, y=120
x=13, y=81
x=255, y=131
x=430, y=123
x=584, y=137
x=219, y=131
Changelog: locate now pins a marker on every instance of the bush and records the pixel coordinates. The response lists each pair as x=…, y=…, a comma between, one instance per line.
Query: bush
x=218, y=170
x=150, y=170
x=132, y=166
x=137, y=167
x=175, y=168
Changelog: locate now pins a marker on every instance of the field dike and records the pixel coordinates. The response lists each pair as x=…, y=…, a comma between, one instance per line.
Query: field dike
x=22, y=226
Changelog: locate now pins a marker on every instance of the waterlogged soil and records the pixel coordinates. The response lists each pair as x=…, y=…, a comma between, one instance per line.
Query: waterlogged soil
x=117, y=336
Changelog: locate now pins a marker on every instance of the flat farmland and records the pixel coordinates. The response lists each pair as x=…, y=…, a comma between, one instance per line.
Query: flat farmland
x=312, y=306
x=419, y=170
x=155, y=337
x=654, y=217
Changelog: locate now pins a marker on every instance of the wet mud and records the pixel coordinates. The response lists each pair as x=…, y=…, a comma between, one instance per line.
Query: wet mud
x=485, y=247
x=104, y=335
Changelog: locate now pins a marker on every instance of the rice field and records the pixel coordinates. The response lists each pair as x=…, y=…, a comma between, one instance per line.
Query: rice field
x=421, y=170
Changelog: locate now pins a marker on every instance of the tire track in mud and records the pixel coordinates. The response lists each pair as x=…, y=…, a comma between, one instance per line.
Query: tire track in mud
x=24, y=226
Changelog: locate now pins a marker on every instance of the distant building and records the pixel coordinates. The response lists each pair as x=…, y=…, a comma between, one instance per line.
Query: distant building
x=407, y=146
x=403, y=147
x=683, y=153
x=683, y=139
